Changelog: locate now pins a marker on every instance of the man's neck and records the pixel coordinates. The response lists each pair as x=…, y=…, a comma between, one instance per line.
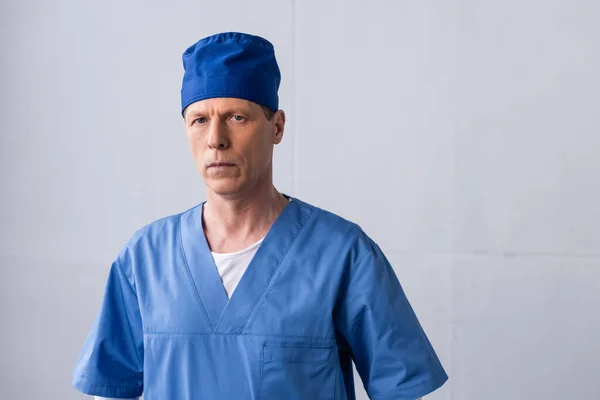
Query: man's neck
x=232, y=224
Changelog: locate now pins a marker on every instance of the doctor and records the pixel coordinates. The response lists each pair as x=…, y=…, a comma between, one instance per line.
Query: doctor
x=251, y=294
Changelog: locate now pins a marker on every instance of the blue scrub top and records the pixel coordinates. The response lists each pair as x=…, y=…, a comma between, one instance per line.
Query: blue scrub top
x=318, y=294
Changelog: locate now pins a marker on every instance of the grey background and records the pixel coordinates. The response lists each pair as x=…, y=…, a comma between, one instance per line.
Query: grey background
x=463, y=136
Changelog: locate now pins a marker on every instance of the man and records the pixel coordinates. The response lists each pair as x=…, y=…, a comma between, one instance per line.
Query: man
x=251, y=294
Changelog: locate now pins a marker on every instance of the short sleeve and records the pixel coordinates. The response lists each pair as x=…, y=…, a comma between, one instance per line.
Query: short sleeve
x=111, y=361
x=393, y=356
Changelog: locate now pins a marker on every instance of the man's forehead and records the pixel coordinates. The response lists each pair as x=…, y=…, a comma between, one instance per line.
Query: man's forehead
x=220, y=104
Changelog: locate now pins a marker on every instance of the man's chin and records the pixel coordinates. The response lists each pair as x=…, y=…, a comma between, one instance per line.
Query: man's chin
x=225, y=189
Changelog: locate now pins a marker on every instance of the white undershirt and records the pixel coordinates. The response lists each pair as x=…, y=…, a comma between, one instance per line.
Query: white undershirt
x=232, y=266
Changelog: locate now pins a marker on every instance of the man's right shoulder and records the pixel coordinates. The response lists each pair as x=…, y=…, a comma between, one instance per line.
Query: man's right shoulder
x=156, y=233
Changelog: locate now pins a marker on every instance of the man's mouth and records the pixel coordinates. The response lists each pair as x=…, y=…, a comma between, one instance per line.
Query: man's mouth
x=220, y=164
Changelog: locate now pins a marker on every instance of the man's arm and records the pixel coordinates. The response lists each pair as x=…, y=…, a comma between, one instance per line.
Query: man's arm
x=111, y=362
x=390, y=350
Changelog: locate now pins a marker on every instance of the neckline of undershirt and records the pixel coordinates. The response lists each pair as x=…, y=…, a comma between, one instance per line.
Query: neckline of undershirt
x=240, y=252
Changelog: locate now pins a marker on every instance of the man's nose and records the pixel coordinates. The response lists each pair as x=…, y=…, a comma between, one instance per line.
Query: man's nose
x=217, y=138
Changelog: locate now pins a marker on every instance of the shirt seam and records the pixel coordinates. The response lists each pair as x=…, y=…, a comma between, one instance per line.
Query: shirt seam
x=302, y=227
x=189, y=272
x=121, y=385
x=429, y=377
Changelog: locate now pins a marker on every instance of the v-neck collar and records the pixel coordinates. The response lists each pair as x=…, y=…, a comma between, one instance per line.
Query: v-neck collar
x=230, y=315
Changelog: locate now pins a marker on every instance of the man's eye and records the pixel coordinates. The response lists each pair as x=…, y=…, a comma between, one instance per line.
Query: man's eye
x=238, y=118
x=200, y=120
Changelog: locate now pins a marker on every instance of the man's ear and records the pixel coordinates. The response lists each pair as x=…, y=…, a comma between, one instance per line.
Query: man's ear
x=279, y=123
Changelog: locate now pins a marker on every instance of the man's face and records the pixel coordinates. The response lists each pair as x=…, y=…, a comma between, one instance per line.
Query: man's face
x=232, y=143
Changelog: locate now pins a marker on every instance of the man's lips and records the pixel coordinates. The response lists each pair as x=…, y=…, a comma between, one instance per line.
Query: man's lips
x=221, y=164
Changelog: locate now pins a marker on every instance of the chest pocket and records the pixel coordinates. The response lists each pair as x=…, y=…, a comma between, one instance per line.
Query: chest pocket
x=296, y=373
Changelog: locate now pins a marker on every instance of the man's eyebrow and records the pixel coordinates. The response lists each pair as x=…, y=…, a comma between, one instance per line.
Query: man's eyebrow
x=192, y=114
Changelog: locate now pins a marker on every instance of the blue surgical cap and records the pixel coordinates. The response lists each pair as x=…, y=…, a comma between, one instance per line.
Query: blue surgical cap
x=231, y=64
